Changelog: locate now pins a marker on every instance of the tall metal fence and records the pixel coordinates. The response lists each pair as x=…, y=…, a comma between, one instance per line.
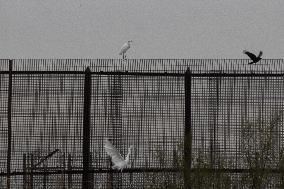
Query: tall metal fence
x=193, y=123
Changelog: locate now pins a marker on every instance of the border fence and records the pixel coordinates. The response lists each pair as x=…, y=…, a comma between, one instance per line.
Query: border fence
x=194, y=123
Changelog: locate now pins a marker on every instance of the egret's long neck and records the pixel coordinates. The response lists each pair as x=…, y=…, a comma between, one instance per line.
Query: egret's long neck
x=127, y=156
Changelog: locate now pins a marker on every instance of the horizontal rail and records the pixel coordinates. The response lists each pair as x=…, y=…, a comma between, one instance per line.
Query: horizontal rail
x=93, y=73
x=150, y=74
x=42, y=72
x=143, y=170
x=135, y=170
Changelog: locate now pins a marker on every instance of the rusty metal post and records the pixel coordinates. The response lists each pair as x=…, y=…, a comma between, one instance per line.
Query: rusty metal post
x=187, y=130
x=86, y=179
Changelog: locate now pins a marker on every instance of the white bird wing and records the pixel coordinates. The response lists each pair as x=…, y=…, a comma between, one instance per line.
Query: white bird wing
x=124, y=48
x=112, y=152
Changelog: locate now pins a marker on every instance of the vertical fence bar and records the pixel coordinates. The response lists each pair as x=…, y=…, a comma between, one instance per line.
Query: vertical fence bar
x=69, y=164
x=110, y=176
x=9, y=124
x=31, y=186
x=24, y=171
x=86, y=131
x=45, y=177
x=187, y=130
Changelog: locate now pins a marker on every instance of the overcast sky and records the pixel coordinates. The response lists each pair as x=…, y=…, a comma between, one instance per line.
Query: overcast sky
x=159, y=28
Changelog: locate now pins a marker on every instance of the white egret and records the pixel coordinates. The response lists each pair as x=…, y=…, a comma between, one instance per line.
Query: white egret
x=116, y=158
x=124, y=48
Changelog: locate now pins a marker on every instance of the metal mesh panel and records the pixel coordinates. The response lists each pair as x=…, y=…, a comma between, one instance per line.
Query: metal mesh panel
x=46, y=115
x=236, y=122
x=143, y=111
x=3, y=121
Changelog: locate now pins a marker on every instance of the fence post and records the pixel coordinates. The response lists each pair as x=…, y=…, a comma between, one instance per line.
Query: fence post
x=187, y=130
x=24, y=171
x=9, y=116
x=86, y=179
x=31, y=186
x=69, y=164
x=45, y=177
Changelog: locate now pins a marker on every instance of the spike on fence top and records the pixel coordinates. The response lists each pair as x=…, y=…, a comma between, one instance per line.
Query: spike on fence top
x=88, y=69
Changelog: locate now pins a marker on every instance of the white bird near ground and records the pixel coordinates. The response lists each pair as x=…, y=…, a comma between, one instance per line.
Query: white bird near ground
x=124, y=48
x=116, y=158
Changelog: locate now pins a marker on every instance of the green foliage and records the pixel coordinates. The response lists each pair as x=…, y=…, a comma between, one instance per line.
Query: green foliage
x=260, y=152
x=260, y=149
x=203, y=175
x=2, y=180
x=165, y=180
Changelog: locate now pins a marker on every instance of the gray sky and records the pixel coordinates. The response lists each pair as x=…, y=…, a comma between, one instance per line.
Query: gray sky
x=159, y=28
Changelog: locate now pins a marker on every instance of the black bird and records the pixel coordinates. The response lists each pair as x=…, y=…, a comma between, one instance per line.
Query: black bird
x=252, y=56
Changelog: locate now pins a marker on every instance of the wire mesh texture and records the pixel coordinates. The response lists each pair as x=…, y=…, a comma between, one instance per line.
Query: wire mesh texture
x=236, y=122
